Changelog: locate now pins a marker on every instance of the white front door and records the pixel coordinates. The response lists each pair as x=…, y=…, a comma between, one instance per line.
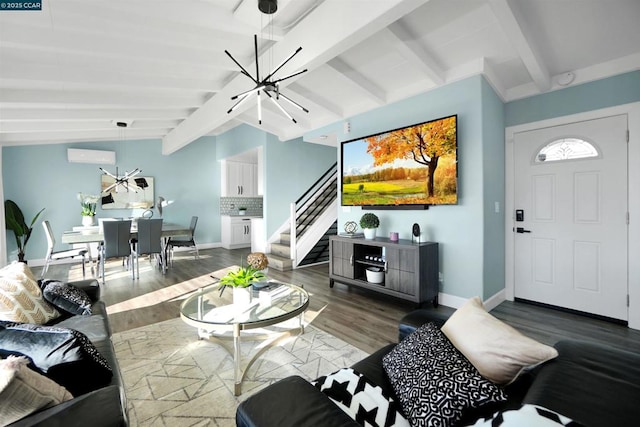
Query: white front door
x=571, y=242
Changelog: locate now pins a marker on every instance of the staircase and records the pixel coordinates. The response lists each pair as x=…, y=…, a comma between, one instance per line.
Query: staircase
x=313, y=219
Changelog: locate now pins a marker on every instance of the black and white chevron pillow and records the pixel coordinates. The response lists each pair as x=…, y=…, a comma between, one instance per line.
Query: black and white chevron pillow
x=526, y=415
x=361, y=399
x=434, y=382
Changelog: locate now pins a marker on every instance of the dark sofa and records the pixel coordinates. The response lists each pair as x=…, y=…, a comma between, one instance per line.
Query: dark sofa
x=592, y=384
x=97, y=401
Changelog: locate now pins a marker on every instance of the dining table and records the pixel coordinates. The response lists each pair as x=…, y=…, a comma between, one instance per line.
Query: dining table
x=93, y=234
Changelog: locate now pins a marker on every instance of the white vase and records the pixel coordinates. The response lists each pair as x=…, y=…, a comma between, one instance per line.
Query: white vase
x=241, y=296
x=369, y=233
x=87, y=221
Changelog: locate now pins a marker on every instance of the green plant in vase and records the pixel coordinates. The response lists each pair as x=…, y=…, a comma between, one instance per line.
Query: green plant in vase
x=243, y=277
x=369, y=223
x=239, y=280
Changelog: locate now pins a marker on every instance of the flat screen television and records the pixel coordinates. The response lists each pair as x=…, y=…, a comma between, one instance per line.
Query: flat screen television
x=411, y=167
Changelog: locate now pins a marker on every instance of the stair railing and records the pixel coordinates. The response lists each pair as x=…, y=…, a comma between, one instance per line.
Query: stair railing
x=316, y=208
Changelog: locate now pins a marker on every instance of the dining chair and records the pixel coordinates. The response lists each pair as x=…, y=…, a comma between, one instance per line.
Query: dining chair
x=116, y=244
x=184, y=243
x=57, y=255
x=149, y=242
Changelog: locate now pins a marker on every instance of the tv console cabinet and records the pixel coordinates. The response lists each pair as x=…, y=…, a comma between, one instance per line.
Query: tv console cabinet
x=410, y=268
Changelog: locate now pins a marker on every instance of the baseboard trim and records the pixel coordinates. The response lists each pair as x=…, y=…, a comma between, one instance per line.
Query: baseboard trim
x=454, y=301
x=495, y=300
x=451, y=300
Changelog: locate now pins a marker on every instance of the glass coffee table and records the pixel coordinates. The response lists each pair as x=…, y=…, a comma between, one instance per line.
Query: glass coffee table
x=217, y=318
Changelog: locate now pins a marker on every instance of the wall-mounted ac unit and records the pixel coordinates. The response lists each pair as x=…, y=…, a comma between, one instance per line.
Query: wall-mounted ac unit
x=75, y=155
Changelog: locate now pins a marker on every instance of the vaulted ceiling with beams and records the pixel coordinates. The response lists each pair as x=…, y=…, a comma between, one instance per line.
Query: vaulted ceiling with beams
x=73, y=69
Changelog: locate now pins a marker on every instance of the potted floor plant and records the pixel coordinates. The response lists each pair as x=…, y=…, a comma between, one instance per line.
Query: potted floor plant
x=369, y=223
x=15, y=222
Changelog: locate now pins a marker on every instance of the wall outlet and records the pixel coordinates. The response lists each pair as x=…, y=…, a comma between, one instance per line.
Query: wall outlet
x=440, y=277
x=497, y=207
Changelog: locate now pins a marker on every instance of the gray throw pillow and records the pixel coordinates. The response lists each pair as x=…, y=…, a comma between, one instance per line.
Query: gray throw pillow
x=434, y=382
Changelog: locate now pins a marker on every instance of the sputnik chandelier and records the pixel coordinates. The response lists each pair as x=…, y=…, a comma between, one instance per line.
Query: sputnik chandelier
x=121, y=180
x=271, y=88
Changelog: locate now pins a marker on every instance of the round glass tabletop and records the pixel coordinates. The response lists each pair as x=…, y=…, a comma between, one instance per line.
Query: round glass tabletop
x=249, y=308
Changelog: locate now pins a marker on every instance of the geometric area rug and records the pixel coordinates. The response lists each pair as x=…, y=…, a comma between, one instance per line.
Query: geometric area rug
x=172, y=378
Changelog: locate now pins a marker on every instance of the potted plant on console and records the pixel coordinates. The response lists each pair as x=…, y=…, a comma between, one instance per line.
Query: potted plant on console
x=369, y=223
x=239, y=280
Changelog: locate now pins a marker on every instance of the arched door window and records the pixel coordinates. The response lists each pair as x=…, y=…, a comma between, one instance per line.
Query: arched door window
x=566, y=149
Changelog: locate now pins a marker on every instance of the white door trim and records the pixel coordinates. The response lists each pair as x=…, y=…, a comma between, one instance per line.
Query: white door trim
x=633, y=112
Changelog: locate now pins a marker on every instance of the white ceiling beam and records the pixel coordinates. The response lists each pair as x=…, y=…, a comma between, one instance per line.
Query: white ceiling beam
x=94, y=99
x=113, y=45
x=350, y=24
x=247, y=12
x=76, y=115
x=317, y=99
x=523, y=43
x=271, y=122
x=407, y=46
x=162, y=66
x=18, y=74
x=170, y=23
x=7, y=139
x=367, y=88
x=49, y=126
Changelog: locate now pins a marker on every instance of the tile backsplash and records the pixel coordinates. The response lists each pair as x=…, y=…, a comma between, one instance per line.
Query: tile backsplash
x=230, y=205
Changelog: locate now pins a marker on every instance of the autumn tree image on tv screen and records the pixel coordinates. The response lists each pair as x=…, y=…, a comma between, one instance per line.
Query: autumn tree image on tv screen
x=415, y=165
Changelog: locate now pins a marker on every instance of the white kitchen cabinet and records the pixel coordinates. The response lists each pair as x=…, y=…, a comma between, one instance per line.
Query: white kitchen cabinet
x=239, y=179
x=236, y=232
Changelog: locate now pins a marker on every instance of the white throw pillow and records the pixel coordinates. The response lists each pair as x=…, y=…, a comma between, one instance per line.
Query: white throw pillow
x=498, y=351
x=23, y=391
x=525, y=416
x=21, y=299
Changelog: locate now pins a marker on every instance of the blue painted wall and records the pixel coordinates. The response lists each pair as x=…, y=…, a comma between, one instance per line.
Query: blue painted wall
x=493, y=161
x=470, y=234
x=290, y=167
x=40, y=176
x=238, y=140
x=460, y=229
x=617, y=90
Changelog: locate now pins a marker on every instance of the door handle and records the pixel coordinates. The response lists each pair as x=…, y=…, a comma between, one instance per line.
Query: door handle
x=522, y=230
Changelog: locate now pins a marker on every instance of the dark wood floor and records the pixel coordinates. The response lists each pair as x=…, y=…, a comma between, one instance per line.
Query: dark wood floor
x=361, y=318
